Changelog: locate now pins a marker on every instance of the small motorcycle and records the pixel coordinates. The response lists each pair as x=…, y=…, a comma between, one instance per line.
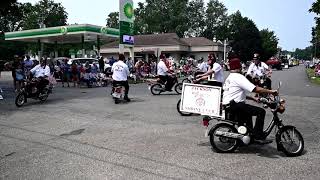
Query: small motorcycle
x=118, y=92
x=159, y=87
x=30, y=91
x=227, y=136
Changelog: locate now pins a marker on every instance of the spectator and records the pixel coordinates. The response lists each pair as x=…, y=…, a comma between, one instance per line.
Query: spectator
x=94, y=68
x=65, y=68
x=19, y=74
x=1, y=67
x=74, y=73
x=112, y=61
x=14, y=66
x=28, y=64
x=101, y=64
x=137, y=69
x=153, y=67
x=130, y=64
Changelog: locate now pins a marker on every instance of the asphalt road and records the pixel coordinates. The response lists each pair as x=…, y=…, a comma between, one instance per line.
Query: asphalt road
x=82, y=134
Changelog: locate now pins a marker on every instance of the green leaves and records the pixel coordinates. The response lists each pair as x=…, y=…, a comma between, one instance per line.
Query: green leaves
x=245, y=36
x=45, y=12
x=269, y=44
x=113, y=20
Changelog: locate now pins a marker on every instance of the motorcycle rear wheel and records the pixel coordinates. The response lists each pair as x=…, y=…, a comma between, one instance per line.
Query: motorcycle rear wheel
x=20, y=100
x=156, y=89
x=222, y=144
x=290, y=141
x=178, y=88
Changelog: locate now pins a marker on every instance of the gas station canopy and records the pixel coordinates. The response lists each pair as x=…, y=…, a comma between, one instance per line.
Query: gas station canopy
x=65, y=34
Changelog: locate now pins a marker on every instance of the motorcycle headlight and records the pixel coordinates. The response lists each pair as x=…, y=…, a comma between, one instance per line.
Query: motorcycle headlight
x=281, y=108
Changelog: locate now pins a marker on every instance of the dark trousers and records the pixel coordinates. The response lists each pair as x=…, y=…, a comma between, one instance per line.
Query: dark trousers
x=101, y=68
x=168, y=81
x=125, y=84
x=244, y=113
x=42, y=84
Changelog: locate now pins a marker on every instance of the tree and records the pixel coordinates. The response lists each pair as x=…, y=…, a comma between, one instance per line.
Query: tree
x=245, y=36
x=10, y=20
x=269, y=44
x=216, y=21
x=140, y=26
x=166, y=16
x=196, y=18
x=113, y=20
x=10, y=16
x=315, y=8
x=45, y=12
x=303, y=53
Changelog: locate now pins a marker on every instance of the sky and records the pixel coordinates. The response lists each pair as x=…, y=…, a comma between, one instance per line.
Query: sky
x=289, y=19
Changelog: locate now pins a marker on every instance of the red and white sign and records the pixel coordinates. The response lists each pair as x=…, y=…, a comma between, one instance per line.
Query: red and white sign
x=201, y=99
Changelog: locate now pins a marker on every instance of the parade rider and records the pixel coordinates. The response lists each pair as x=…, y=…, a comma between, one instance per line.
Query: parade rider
x=41, y=72
x=234, y=96
x=163, y=73
x=215, y=71
x=258, y=69
x=120, y=75
x=202, y=67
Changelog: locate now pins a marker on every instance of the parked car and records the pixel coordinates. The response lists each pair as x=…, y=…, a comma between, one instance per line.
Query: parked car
x=60, y=60
x=274, y=63
x=83, y=61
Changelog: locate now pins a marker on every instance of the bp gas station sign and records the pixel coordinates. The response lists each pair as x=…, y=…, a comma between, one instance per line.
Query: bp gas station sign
x=126, y=23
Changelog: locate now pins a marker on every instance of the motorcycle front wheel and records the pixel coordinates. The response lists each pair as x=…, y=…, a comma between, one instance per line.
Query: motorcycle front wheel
x=178, y=88
x=222, y=144
x=156, y=89
x=290, y=141
x=20, y=100
x=181, y=112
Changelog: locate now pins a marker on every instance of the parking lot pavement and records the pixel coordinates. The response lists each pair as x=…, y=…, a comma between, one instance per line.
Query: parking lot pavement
x=82, y=134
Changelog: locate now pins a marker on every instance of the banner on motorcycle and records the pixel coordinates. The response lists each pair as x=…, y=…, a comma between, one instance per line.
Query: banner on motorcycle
x=201, y=99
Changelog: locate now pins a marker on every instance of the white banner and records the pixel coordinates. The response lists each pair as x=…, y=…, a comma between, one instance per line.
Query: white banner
x=201, y=99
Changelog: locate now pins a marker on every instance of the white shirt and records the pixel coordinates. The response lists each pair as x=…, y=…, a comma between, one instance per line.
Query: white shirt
x=162, y=69
x=235, y=88
x=257, y=70
x=218, y=72
x=120, y=71
x=39, y=71
x=203, y=67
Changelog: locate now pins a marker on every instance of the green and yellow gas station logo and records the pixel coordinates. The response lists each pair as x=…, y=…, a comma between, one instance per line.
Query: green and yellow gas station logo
x=64, y=30
x=128, y=10
x=104, y=30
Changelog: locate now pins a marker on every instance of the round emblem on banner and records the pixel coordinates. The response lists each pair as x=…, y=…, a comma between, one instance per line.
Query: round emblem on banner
x=64, y=30
x=103, y=30
x=128, y=10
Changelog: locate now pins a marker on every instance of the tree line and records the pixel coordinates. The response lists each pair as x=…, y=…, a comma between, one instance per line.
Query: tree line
x=187, y=18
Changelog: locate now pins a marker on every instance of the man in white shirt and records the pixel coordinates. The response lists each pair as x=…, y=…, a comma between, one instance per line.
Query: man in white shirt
x=215, y=70
x=120, y=75
x=258, y=69
x=203, y=67
x=163, y=73
x=41, y=72
x=235, y=88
